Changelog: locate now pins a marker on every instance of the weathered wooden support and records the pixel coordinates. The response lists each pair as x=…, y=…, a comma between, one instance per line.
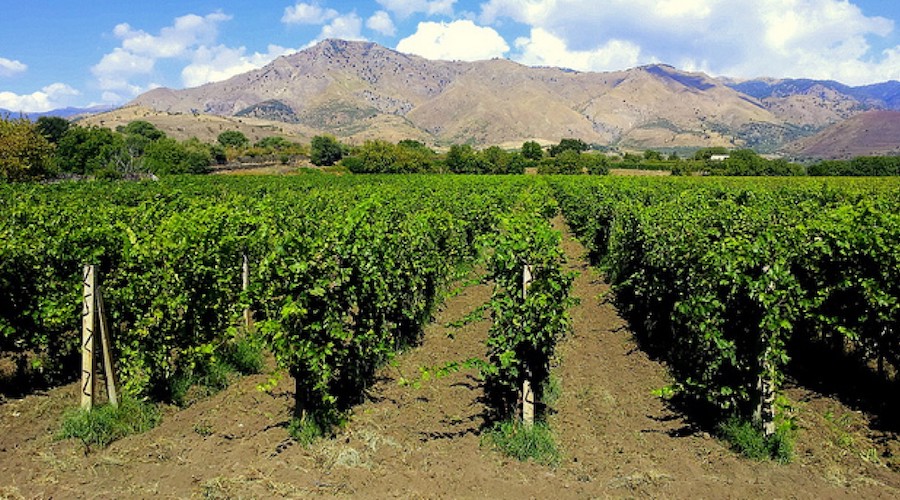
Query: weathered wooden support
x=764, y=413
x=528, y=399
x=88, y=324
x=106, y=345
x=245, y=285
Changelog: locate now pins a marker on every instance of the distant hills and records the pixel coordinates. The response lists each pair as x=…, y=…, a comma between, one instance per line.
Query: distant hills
x=62, y=112
x=873, y=133
x=360, y=90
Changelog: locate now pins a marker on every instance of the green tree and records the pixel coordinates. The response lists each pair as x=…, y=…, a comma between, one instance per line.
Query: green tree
x=233, y=139
x=532, y=150
x=516, y=164
x=596, y=164
x=576, y=145
x=273, y=142
x=631, y=158
x=168, y=156
x=142, y=128
x=495, y=160
x=462, y=159
x=25, y=153
x=85, y=150
x=651, y=155
x=325, y=150
x=569, y=162
x=52, y=127
x=377, y=157
x=415, y=156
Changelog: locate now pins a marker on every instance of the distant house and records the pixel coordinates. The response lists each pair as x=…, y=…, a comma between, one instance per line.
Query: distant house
x=718, y=157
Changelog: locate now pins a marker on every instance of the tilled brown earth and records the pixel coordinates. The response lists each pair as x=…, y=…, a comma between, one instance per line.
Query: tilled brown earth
x=423, y=440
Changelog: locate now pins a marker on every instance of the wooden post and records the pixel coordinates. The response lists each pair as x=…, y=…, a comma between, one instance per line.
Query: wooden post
x=764, y=413
x=527, y=386
x=109, y=369
x=245, y=284
x=88, y=363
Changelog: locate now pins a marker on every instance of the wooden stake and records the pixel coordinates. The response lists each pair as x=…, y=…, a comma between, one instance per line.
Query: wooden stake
x=105, y=341
x=764, y=413
x=245, y=284
x=527, y=278
x=88, y=363
x=527, y=386
x=527, y=402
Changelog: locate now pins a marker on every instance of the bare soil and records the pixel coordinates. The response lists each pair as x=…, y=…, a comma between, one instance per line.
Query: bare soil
x=618, y=439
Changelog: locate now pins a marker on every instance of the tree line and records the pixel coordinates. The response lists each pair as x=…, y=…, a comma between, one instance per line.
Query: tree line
x=570, y=156
x=53, y=147
x=720, y=161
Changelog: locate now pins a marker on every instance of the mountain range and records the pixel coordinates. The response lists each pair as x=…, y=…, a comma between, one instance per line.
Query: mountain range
x=360, y=90
x=70, y=112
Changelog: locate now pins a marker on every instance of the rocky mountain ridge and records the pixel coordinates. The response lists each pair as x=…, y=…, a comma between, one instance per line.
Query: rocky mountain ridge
x=361, y=90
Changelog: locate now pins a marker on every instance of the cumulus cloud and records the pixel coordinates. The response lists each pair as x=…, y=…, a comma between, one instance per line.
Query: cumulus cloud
x=9, y=67
x=212, y=64
x=173, y=41
x=800, y=38
x=131, y=68
x=381, y=22
x=544, y=49
x=346, y=27
x=52, y=96
x=459, y=40
x=308, y=13
x=406, y=8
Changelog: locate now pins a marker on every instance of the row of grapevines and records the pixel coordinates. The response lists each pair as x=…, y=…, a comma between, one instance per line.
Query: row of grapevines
x=719, y=276
x=344, y=271
x=530, y=314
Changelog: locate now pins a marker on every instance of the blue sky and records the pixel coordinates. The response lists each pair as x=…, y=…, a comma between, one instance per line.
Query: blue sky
x=56, y=53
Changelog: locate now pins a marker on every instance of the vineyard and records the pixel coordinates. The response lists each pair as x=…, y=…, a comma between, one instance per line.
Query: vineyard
x=725, y=281
x=728, y=278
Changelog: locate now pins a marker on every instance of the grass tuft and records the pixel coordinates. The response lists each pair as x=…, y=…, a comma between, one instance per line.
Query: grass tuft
x=104, y=424
x=244, y=356
x=241, y=357
x=315, y=424
x=747, y=439
x=522, y=443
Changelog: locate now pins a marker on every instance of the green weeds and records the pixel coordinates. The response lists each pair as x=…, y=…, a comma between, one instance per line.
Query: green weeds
x=522, y=443
x=749, y=440
x=104, y=424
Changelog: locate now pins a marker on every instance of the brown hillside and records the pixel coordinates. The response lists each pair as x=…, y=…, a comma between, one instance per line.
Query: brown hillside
x=868, y=134
x=207, y=128
x=359, y=90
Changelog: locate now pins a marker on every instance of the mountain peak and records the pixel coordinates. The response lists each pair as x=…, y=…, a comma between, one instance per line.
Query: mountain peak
x=360, y=90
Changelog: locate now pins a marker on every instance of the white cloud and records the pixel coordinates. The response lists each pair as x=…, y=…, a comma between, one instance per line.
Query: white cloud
x=781, y=38
x=212, y=64
x=545, y=49
x=406, y=8
x=53, y=96
x=9, y=67
x=131, y=68
x=173, y=41
x=381, y=22
x=459, y=40
x=346, y=27
x=307, y=13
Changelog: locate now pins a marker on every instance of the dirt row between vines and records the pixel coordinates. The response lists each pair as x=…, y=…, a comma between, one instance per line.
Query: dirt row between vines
x=617, y=438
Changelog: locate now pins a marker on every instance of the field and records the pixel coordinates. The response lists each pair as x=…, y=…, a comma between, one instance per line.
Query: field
x=359, y=286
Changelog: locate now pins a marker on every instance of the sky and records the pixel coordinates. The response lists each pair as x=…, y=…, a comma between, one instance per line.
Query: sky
x=58, y=53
